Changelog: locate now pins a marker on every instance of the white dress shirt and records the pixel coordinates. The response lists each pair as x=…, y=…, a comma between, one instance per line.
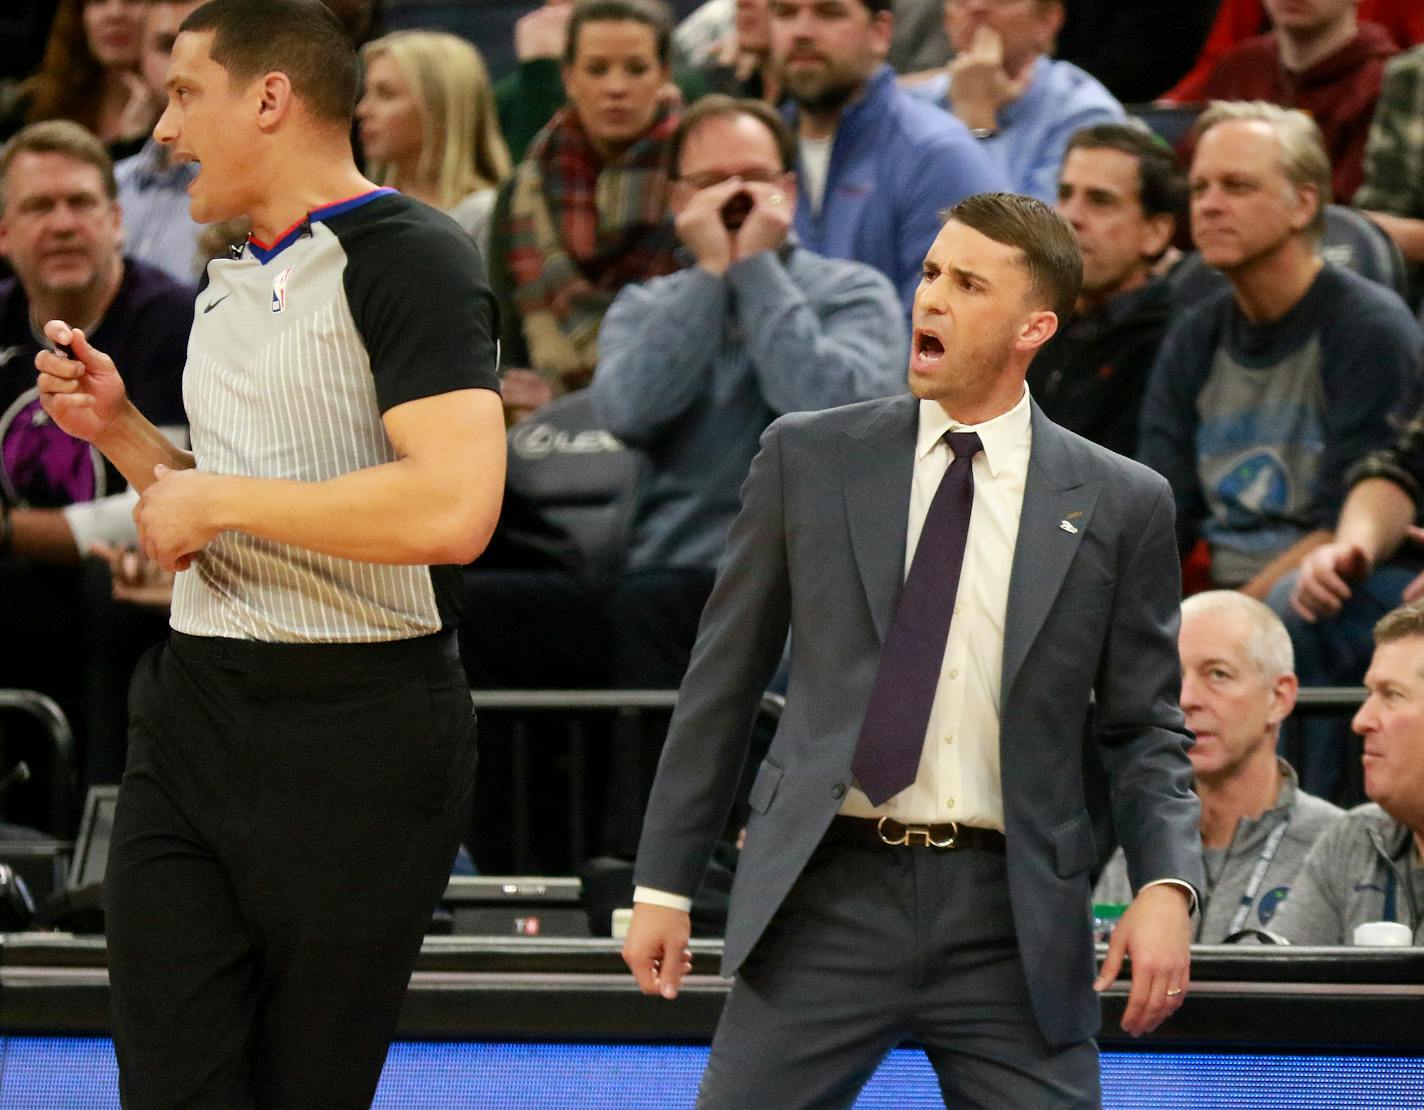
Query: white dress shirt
x=959, y=774
x=958, y=777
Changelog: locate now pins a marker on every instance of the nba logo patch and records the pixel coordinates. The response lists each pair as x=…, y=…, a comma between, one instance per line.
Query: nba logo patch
x=279, y=291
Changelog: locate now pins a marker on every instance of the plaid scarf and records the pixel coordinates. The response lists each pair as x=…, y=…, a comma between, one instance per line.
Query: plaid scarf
x=580, y=230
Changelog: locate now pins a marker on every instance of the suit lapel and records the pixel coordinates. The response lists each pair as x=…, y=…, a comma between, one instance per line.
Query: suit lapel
x=877, y=464
x=1054, y=493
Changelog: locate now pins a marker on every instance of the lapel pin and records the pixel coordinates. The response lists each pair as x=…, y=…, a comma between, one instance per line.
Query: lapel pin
x=1067, y=527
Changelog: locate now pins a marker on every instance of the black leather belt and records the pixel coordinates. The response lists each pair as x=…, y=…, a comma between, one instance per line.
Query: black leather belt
x=885, y=832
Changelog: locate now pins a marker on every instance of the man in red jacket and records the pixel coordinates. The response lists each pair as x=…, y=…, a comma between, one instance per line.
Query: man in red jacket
x=1320, y=59
x=1240, y=19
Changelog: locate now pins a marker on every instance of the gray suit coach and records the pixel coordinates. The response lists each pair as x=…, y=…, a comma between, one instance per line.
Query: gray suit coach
x=962, y=921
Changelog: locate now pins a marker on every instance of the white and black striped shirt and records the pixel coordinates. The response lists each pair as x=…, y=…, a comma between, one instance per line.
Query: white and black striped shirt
x=297, y=350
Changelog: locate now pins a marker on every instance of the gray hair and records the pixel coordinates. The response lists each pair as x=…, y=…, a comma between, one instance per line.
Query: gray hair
x=1268, y=644
x=1302, y=146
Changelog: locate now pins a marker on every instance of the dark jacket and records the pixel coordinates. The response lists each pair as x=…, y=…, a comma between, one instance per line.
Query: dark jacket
x=1091, y=376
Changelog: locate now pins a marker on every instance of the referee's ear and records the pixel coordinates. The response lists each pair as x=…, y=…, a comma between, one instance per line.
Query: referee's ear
x=274, y=100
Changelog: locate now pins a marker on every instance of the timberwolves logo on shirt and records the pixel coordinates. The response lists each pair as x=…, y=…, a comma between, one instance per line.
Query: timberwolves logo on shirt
x=1258, y=483
x=279, y=291
x=41, y=465
x=1270, y=902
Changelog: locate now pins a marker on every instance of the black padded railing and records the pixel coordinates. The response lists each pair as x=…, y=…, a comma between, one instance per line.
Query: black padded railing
x=569, y=720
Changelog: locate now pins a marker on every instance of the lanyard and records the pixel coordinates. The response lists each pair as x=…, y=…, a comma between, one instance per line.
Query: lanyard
x=1391, y=887
x=1258, y=875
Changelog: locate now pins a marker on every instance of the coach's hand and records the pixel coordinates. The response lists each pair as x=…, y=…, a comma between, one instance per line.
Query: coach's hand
x=1156, y=933
x=173, y=517
x=656, y=949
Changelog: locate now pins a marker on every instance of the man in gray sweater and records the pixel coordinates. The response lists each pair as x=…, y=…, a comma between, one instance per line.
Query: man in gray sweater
x=1257, y=825
x=693, y=366
x=1368, y=866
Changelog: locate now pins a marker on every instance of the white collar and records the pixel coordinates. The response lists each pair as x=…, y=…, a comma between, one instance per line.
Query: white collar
x=999, y=436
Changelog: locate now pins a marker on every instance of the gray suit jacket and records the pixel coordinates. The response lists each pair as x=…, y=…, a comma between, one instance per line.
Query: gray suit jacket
x=1089, y=650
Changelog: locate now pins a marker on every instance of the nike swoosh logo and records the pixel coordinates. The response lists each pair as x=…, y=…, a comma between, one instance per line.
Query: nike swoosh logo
x=215, y=303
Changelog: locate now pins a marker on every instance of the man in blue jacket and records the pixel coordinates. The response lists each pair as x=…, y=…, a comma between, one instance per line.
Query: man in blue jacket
x=876, y=166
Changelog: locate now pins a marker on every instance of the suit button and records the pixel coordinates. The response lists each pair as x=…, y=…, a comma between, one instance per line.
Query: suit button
x=838, y=791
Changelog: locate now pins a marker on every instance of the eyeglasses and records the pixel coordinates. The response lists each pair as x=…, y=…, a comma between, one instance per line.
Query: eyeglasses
x=710, y=178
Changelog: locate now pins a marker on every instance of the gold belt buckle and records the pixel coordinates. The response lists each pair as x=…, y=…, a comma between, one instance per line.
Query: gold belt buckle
x=909, y=832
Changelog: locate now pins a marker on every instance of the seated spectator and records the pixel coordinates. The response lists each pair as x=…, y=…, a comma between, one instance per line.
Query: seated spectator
x=153, y=189
x=1257, y=826
x=428, y=125
x=919, y=42
x=1345, y=586
x=695, y=365
x=1370, y=865
x=586, y=211
x=90, y=74
x=740, y=63
x=875, y=165
x=1267, y=391
x=1393, y=192
x=528, y=98
x=1319, y=59
x=1123, y=191
x=1237, y=20
x=700, y=34
x=60, y=230
x=1021, y=104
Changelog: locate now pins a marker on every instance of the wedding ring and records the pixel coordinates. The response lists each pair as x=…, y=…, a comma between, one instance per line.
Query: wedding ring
x=1172, y=992
x=776, y=198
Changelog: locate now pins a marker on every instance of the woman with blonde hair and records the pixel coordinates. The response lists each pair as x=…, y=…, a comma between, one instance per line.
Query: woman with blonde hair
x=428, y=125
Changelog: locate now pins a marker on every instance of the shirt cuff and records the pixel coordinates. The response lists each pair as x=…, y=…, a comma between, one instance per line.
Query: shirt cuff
x=662, y=898
x=1191, y=890
x=108, y=520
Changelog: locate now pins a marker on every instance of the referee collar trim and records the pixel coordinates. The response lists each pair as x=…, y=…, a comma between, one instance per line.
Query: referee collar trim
x=265, y=252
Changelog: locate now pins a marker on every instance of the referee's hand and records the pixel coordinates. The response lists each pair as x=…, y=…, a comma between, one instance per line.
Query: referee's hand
x=79, y=388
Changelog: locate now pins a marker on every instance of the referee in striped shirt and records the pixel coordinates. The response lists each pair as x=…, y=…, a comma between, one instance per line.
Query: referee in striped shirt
x=301, y=752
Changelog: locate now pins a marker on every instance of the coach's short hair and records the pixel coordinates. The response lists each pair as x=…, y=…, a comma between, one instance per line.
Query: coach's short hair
x=58, y=136
x=1047, y=242
x=1304, y=159
x=301, y=38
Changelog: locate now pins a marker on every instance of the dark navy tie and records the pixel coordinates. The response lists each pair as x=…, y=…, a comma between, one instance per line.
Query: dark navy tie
x=887, y=754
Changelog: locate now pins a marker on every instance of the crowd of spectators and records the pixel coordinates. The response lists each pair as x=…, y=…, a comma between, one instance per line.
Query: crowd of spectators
x=696, y=219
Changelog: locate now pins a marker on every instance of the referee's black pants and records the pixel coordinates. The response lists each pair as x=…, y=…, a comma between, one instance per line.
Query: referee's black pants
x=286, y=824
